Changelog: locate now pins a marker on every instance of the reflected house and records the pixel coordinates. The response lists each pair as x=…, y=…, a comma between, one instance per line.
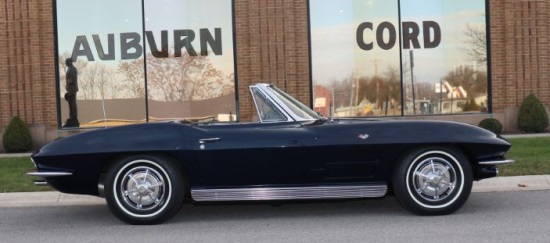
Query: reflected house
x=454, y=105
x=322, y=100
x=449, y=99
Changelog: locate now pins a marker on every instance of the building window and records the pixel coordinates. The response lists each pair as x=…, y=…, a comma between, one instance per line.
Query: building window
x=179, y=66
x=400, y=57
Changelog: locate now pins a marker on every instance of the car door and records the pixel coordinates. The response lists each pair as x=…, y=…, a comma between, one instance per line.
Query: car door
x=347, y=153
x=255, y=154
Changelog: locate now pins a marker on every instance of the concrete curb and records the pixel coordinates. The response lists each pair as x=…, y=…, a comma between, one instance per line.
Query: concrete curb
x=527, y=135
x=39, y=199
x=513, y=183
x=42, y=199
x=3, y=155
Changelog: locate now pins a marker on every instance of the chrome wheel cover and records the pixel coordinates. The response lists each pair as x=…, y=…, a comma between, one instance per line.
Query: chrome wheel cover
x=143, y=188
x=434, y=179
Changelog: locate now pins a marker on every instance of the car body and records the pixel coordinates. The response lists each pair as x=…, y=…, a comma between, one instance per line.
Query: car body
x=146, y=170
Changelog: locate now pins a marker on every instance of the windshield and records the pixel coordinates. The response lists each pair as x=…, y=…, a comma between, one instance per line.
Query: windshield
x=267, y=111
x=296, y=106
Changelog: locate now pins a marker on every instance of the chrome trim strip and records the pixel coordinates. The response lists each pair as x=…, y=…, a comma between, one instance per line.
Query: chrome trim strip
x=49, y=174
x=497, y=162
x=289, y=193
x=40, y=183
x=208, y=140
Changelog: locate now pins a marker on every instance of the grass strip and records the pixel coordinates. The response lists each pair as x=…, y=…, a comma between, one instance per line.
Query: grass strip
x=532, y=157
x=13, y=178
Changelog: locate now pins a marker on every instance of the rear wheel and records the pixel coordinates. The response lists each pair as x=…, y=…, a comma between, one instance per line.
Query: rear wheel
x=144, y=189
x=433, y=181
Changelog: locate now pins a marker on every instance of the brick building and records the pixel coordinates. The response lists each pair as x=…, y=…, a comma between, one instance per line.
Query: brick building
x=271, y=42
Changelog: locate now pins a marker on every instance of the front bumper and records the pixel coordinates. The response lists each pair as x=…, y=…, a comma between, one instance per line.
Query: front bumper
x=42, y=175
x=498, y=162
x=488, y=168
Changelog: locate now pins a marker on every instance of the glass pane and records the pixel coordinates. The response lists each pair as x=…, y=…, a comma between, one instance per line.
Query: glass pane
x=296, y=106
x=355, y=57
x=444, y=56
x=190, y=69
x=267, y=112
x=100, y=63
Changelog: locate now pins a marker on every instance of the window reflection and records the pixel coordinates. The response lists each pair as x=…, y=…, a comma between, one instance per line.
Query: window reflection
x=450, y=77
x=190, y=70
x=106, y=54
x=360, y=69
x=186, y=54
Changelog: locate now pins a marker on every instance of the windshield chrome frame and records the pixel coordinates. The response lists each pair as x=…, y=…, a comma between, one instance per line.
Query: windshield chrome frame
x=278, y=103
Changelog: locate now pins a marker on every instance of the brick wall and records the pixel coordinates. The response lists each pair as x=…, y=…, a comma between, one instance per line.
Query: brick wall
x=272, y=46
x=520, y=51
x=27, y=73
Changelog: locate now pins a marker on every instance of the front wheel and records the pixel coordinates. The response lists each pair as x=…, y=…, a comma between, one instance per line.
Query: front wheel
x=433, y=181
x=144, y=189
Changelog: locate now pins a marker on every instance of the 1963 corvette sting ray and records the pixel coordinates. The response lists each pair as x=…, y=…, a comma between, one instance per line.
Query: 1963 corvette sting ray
x=146, y=170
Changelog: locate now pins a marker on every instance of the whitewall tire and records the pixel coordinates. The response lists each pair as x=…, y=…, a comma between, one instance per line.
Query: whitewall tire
x=144, y=189
x=433, y=180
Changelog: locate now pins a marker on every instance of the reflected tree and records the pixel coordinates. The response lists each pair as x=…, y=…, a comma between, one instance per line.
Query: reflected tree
x=133, y=77
x=381, y=90
x=185, y=78
x=88, y=82
x=106, y=85
x=99, y=81
x=475, y=40
x=342, y=89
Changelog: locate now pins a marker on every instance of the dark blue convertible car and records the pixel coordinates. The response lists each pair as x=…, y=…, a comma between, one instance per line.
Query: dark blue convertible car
x=146, y=171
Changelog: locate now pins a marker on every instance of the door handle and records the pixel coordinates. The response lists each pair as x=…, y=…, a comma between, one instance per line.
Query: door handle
x=208, y=140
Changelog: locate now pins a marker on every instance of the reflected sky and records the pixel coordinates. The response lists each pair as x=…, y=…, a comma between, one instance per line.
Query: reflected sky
x=102, y=17
x=80, y=17
x=334, y=23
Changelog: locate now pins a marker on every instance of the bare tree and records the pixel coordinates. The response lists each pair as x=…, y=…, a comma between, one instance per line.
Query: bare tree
x=134, y=77
x=227, y=86
x=88, y=81
x=99, y=81
x=342, y=89
x=381, y=89
x=184, y=78
x=105, y=77
x=475, y=39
